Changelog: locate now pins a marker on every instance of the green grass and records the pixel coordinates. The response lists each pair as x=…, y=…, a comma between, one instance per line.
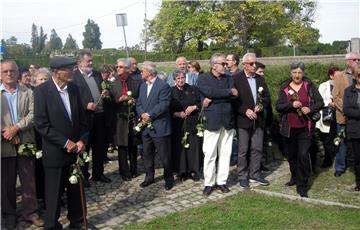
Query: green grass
x=249, y=210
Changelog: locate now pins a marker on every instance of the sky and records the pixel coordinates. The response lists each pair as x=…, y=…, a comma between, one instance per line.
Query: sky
x=336, y=20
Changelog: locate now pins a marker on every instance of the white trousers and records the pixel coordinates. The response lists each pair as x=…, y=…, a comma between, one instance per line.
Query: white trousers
x=217, y=144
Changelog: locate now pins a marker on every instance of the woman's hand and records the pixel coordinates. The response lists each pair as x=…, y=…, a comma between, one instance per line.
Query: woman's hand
x=296, y=104
x=305, y=110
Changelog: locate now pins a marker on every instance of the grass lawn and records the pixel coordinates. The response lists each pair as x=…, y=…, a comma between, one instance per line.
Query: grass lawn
x=248, y=210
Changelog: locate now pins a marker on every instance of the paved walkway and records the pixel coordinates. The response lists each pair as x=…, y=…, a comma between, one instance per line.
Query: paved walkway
x=118, y=203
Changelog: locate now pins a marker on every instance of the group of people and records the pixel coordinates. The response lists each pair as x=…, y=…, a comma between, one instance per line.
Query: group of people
x=189, y=118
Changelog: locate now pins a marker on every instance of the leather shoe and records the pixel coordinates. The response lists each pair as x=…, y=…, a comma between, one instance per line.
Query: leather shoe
x=147, y=183
x=126, y=178
x=102, y=178
x=338, y=173
x=37, y=222
x=291, y=182
x=10, y=222
x=223, y=188
x=301, y=190
x=357, y=188
x=169, y=185
x=195, y=177
x=207, y=190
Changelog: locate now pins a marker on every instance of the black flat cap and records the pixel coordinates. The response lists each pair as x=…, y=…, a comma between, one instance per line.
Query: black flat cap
x=61, y=62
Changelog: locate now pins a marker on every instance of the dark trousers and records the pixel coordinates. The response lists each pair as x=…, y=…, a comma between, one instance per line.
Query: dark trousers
x=356, y=153
x=297, y=151
x=25, y=166
x=126, y=153
x=56, y=179
x=163, y=147
x=97, y=143
x=327, y=140
x=190, y=158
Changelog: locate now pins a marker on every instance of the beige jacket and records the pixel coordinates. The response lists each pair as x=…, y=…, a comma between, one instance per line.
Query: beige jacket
x=341, y=82
x=25, y=119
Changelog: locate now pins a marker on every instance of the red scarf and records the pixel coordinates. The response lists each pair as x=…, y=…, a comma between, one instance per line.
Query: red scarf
x=123, y=79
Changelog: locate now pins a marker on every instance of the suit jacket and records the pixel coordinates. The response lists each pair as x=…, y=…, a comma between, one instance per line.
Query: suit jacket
x=341, y=82
x=85, y=92
x=157, y=105
x=246, y=101
x=55, y=126
x=25, y=120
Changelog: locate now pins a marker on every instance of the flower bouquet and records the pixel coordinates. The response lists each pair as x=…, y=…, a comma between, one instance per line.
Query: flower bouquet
x=75, y=172
x=140, y=126
x=105, y=87
x=130, y=105
x=339, y=137
x=201, y=121
x=295, y=97
x=29, y=150
x=259, y=101
x=185, y=138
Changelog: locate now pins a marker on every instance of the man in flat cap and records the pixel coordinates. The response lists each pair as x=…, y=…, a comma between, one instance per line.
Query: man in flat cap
x=58, y=116
x=17, y=113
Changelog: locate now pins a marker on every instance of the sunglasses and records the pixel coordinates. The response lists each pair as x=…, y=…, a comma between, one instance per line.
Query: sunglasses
x=250, y=63
x=221, y=63
x=354, y=59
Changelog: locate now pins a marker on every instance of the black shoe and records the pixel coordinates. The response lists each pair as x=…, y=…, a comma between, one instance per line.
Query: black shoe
x=134, y=175
x=183, y=177
x=102, y=178
x=223, y=188
x=207, y=190
x=147, y=183
x=338, y=173
x=86, y=183
x=244, y=183
x=357, y=188
x=195, y=177
x=291, y=182
x=259, y=180
x=169, y=185
x=10, y=222
x=126, y=178
x=263, y=168
x=301, y=190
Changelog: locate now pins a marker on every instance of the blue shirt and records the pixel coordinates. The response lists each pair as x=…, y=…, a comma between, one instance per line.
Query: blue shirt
x=252, y=84
x=12, y=99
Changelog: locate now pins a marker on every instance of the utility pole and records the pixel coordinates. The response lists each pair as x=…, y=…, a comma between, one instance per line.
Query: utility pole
x=145, y=30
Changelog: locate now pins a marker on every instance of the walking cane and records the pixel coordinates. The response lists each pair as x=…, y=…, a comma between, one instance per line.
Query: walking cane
x=82, y=198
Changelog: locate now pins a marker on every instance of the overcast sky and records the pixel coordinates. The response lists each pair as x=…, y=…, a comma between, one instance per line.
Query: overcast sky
x=336, y=20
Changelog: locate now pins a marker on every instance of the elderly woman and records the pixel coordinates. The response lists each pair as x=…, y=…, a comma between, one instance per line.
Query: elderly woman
x=186, y=145
x=298, y=102
x=352, y=112
x=41, y=75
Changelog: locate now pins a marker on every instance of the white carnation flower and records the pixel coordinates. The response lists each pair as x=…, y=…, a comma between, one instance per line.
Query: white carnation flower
x=73, y=179
x=200, y=134
x=261, y=89
x=38, y=154
x=187, y=146
x=112, y=79
x=129, y=93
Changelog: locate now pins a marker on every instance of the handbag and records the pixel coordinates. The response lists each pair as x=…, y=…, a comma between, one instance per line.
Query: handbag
x=328, y=114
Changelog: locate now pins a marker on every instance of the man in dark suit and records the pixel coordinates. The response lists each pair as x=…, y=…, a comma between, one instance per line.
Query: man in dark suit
x=89, y=84
x=253, y=98
x=153, y=107
x=58, y=117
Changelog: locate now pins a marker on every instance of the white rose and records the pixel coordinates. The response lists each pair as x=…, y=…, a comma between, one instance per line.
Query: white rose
x=200, y=134
x=112, y=79
x=129, y=93
x=261, y=89
x=137, y=128
x=73, y=180
x=38, y=154
x=187, y=146
x=291, y=92
x=270, y=144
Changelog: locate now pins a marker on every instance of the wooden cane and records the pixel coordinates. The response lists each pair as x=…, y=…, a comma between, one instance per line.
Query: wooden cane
x=82, y=198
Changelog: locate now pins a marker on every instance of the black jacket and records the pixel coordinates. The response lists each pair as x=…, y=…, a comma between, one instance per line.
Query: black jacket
x=284, y=106
x=219, y=113
x=246, y=101
x=352, y=112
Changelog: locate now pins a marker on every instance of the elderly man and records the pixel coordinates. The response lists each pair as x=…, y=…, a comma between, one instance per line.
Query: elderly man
x=217, y=90
x=181, y=63
x=59, y=118
x=253, y=98
x=342, y=80
x=232, y=61
x=153, y=108
x=123, y=108
x=89, y=84
x=17, y=112
x=133, y=70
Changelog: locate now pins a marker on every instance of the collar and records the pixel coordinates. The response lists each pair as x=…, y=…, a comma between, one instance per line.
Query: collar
x=2, y=88
x=84, y=74
x=151, y=81
x=58, y=88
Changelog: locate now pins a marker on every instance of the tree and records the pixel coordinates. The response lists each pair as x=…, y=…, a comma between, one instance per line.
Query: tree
x=70, y=43
x=55, y=42
x=11, y=41
x=91, y=36
x=37, y=41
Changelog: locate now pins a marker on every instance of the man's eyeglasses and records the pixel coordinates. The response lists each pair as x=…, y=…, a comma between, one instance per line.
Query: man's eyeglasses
x=250, y=63
x=119, y=67
x=221, y=63
x=354, y=59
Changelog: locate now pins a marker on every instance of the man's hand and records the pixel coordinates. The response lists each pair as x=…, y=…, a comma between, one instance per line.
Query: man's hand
x=91, y=106
x=296, y=104
x=80, y=147
x=251, y=114
x=123, y=98
x=71, y=147
x=10, y=132
x=190, y=109
x=234, y=92
x=105, y=93
x=15, y=140
x=145, y=117
x=305, y=110
x=131, y=101
x=206, y=102
x=332, y=104
x=258, y=109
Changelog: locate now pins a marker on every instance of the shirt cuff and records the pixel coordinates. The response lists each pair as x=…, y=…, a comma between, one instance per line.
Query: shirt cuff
x=66, y=143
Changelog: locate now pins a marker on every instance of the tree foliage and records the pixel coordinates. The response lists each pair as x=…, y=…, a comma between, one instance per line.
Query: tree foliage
x=91, y=36
x=37, y=39
x=190, y=25
x=70, y=43
x=55, y=42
